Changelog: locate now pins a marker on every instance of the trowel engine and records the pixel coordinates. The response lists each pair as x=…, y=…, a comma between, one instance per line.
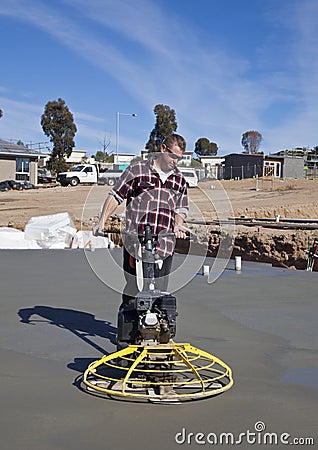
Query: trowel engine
x=149, y=319
x=156, y=317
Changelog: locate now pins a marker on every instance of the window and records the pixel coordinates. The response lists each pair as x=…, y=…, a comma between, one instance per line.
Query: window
x=22, y=168
x=272, y=168
x=188, y=174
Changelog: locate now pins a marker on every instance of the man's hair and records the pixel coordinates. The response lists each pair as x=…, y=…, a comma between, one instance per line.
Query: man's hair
x=174, y=138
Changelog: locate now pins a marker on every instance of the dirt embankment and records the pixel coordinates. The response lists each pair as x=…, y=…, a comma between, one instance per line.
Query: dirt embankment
x=285, y=249
x=292, y=199
x=213, y=200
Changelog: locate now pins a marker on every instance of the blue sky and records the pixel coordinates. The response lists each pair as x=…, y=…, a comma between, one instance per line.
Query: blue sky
x=226, y=67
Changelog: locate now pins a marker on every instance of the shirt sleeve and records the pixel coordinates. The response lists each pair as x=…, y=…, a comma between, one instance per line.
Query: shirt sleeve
x=184, y=211
x=182, y=206
x=123, y=186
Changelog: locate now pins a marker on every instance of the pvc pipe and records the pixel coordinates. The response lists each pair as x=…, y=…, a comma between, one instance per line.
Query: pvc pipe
x=205, y=270
x=238, y=263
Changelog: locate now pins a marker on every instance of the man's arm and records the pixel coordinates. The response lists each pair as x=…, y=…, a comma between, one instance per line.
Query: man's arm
x=109, y=207
x=115, y=198
x=179, y=229
x=181, y=214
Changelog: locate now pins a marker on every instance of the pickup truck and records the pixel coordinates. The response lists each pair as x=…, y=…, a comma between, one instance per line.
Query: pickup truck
x=83, y=173
x=45, y=176
x=88, y=174
x=190, y=176
x=109, y=176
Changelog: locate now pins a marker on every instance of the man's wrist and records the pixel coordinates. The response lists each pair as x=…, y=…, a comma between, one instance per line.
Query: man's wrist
x=179, y=218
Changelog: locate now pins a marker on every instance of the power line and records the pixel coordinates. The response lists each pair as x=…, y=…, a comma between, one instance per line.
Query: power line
x=29, y=144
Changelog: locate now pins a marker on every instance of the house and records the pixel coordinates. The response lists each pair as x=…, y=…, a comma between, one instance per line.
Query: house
x=286, y=164
x=186, y=159
x=212, y=166
x=242, y=165
x=76, y=157
x=144, y=154
x=283, y=164
x=311, y=160
x=123, y=160
x=18, y=162
x=311, y=164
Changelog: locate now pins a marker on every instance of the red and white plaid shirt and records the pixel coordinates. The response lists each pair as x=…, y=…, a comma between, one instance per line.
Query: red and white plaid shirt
x=150, y=201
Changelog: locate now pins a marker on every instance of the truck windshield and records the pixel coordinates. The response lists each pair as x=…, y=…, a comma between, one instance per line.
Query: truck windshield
x=77, y=168
x=187, y=174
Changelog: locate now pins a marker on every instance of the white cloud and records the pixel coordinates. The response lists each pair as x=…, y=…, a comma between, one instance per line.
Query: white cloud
x=87, y=117
x=213, y=91
x=141, y=21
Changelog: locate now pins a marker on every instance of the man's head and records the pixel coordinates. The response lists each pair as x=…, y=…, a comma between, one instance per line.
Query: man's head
x=171, y=151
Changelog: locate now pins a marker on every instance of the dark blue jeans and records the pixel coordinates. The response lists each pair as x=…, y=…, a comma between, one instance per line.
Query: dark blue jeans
x=127, y=315
x=129, y=266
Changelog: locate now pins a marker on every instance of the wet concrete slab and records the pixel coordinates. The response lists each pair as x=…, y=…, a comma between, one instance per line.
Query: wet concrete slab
x=57, y=316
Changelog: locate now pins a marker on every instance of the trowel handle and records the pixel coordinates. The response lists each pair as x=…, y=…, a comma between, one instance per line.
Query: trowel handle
x=114, y=232
x=190, y=236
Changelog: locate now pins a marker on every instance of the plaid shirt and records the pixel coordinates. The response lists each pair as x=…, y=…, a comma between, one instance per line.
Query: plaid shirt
x=150, y=201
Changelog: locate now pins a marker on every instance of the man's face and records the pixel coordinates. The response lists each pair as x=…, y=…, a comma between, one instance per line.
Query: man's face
x=170, y=157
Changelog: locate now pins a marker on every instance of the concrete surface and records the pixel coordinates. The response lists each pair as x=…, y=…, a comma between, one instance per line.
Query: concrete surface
x=57, y=316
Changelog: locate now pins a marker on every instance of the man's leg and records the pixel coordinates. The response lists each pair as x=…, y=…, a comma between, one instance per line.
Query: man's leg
x=162, y=275
x=130, y=289
x=167, y=302
x=127, y=316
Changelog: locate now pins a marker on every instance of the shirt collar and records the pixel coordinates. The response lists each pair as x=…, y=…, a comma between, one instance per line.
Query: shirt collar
x=151, y=165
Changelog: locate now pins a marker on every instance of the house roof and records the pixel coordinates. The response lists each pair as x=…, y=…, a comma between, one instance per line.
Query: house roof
x=287, y=154
x=211, y=157
x=244, y=155
x=9, y=148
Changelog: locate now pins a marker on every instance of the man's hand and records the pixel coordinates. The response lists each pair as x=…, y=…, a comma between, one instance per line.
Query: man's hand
x=109, y=207
x=98, y=228
x=180, y=231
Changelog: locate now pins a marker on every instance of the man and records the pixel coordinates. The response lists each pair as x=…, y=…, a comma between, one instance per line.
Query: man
x=156, y=194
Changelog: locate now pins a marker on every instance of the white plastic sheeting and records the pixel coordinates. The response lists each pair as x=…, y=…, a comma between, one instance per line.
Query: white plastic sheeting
x=53, y=231
x=85, y=239
x=11, y=238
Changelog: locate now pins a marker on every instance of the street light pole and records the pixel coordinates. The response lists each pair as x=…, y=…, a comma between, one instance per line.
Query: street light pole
x=117, y=128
